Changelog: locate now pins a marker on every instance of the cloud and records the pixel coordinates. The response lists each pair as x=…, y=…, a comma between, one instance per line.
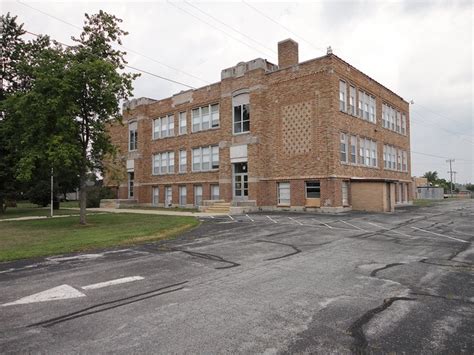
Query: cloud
x=422, y=50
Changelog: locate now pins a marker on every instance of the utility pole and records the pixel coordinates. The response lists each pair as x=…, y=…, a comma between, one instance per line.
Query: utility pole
x=451, y=161
x=52, y=191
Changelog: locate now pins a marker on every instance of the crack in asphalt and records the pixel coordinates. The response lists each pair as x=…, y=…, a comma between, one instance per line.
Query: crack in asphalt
x=374, y=272
x=356, y=331
x=280, y=243
x=120, y=302
x=210, y=257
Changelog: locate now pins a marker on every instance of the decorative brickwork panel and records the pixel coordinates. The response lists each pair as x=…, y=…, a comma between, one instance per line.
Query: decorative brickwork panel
x=296, y=128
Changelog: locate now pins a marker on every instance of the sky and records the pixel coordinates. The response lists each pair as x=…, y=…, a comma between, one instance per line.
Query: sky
x=422, y=50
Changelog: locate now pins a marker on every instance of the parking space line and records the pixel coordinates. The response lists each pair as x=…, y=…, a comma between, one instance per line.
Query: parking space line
x=231, y=217
x=441, y=235
x=349, y=224
x=327, y=225
x=295, y=221
x=391, y=230
x=271, y=219
x=112, y=282
x=249, y=218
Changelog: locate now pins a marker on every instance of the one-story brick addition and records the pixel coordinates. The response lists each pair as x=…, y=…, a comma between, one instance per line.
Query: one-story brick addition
x=318, y=136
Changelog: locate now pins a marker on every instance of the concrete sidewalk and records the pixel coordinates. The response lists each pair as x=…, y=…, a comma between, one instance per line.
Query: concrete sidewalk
x=158, y=212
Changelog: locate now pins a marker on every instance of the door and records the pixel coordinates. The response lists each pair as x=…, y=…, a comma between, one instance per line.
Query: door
x=168, y=196
x=345, y=193
x=240, y=181
x=197, y=196
x=389, y=197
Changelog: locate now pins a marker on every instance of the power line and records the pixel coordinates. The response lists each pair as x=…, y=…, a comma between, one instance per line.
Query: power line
x=437, y=114
x=121, y=45
x=233, y=29
x=214, y=27
x=283, y=26
x=439, y=156
x=130, y=67
x=442, y=128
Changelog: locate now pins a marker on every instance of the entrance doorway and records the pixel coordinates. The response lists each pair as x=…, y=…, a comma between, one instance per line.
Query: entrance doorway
x=240, y=181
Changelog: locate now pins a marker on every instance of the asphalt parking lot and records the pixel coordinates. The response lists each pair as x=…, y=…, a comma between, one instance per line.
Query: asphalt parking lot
x=258, y=283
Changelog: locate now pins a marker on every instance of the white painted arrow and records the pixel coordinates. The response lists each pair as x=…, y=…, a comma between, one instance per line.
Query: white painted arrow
x=56, y=293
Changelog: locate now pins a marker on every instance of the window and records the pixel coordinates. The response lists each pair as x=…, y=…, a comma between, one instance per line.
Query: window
x=366, y=107
x=241, y=113
x=182, y=195
x=372, y=115
x=284, y=193
x=342, y=96
x=163, y=127
x=384, y=115
x=313, y=189
x=353, y=158
x=367, y=152
x=352, y=100
x=182, y=123
x=155, y=196
x=206, y=158
x=168, y=196
x=399, y=159
x=132, y=136
x=205, y=117
x=404, y=161
x=404, y=124
x=163, y=163
x=198, y=195
x=398, y=126
x=131, y=178
x=215, y=192
x=182, y=161
x=343, y=147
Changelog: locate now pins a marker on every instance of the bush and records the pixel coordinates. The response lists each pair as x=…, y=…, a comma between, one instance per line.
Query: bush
x=97, y=193
x=40, y=193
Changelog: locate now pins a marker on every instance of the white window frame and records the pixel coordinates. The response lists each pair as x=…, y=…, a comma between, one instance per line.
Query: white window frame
x=163, y=163
x=353, y=152
x=183, y=128
x=132, y=136
x=182, y=188
x=205, y=158
x=342, y=96
x=284, y=193
x=352, y=101
x=163, y=127
x=205, y=117
x=155, y=197
x=215, y=187
x=183, y=161
x=343, y=147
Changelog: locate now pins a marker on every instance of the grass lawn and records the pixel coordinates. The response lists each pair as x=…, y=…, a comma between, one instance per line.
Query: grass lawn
x=426, y=203
x=34, y=238
x=24, y=209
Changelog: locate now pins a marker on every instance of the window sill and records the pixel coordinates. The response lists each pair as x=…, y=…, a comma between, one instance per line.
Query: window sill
x=240, y=133
x=205, y=171
x=206, y=130
x=359, y=165
x=283, y=205
x=161, y=138
x=164, y=174
x=393, y=131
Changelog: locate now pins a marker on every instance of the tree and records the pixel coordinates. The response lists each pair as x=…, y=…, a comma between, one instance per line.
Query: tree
x=470, y=187
x=64, y=100
x=96, y=89
x=432, y=176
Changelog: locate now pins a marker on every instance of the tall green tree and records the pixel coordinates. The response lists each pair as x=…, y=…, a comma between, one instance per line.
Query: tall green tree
x=97, y=83
x=58, y=117
x=432, y=176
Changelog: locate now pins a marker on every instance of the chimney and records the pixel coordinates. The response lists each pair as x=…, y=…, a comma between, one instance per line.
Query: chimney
x=287, y=53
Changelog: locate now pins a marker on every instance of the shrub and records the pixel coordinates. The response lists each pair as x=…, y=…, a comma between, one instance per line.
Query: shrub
x=40, y=193
x=95, y=194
